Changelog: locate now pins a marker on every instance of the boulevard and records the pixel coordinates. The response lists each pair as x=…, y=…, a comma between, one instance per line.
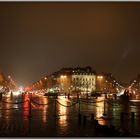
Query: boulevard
x=32, y=114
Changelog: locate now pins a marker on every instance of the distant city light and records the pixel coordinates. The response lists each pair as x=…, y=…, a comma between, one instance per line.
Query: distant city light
x=121, y=93
x=21, y=89
x=63, y=76
x=100, y=77
x=16, y=93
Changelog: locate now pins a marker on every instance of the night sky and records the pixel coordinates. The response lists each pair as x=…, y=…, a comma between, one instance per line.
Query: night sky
x=37, y=39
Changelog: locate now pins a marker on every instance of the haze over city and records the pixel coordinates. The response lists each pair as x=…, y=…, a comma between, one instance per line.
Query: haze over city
x=69, y=69
x=37, y=39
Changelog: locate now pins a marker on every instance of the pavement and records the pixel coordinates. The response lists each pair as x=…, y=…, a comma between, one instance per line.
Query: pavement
x=50, y=119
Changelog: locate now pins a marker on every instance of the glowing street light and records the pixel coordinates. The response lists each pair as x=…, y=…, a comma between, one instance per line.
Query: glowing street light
x=100, y=79
x=21, y=89
x=63, y=76
x=62, y=80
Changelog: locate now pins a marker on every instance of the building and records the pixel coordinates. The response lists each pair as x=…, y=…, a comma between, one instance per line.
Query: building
x=79, y=80
x=74, y=80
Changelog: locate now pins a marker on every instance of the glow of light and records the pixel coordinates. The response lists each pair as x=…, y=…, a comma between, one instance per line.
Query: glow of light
x=63, y=76
x=134, y=100
x=51, y=90
x=16, y=93
x=100, y=77
x=27, y=88
x=62, y=112
x=9, y=76
x=21, y=89
x=99, y=109
x=1, y=87
x=120, y=93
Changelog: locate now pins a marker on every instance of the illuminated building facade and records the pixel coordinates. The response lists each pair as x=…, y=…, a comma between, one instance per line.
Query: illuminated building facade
x=81, y=80
x=75, y=80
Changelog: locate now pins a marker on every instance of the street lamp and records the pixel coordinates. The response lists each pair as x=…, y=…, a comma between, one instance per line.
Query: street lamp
x=100, y=79
x=63, y=76
x=62, y=80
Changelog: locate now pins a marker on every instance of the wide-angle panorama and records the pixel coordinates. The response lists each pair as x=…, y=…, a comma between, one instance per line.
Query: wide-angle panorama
x=69, y=69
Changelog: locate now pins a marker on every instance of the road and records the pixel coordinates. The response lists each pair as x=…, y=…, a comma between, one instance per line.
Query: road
x=52, y=117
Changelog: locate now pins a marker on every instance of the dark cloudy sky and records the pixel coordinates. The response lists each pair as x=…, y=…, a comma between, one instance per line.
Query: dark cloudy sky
x=39, y=38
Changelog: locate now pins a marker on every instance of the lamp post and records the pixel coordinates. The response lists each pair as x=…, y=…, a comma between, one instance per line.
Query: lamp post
x=100, y=80
x=62, y=81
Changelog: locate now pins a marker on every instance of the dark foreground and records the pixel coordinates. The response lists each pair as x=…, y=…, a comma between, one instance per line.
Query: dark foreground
x=61, y=117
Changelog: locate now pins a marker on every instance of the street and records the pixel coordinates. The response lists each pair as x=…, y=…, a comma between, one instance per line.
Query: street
x=52, y=117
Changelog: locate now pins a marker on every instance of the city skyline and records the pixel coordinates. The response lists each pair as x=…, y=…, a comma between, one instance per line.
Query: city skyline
x=38, y=39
